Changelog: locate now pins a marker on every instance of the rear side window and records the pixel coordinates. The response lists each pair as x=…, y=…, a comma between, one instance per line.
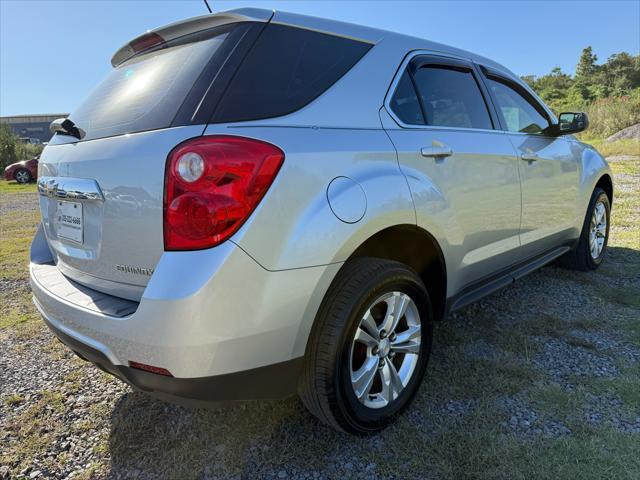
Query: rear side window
x=451, y=98
x=145, y=93
x=286, y=69
x=517, y=114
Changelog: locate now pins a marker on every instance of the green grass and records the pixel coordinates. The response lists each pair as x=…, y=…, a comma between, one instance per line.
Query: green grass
x=13, y=399
x=474, y=450
x=482, y=454
x=631, y=329
x=13, y=187
x=16, y=232
x=554, y=401
x=35, y=429
x=624, y=146
x=15, y=315
x=624, y=296
x=625, y=223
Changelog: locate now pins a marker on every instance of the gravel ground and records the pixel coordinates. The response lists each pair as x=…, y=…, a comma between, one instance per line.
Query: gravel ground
x=28, y=376
x=546, y=358
x=25, y=201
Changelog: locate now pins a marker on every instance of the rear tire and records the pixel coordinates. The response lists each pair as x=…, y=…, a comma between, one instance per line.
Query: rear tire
x=592, y=244
x=344, y=343
x=22, y=175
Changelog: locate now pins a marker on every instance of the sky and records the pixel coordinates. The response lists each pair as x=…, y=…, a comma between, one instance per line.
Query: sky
x=53, y=53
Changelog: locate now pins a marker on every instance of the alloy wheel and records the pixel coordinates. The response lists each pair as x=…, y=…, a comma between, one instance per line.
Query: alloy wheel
x=385, y=349
x=22, y=176
x=598, y=230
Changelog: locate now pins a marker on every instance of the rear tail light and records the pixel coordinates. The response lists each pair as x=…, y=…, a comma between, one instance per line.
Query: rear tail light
x=212, y=185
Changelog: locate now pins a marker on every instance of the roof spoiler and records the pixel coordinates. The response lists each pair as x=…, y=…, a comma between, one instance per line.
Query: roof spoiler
x=185, y=27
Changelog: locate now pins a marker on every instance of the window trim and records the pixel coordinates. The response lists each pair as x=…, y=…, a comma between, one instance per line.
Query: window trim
x=492, y=74
x=415, y=90
x=200, y=102
x=426, y=57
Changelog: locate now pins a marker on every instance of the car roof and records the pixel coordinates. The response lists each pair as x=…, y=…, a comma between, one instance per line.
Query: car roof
x=369, y=78
x=397, y=45
x=377, y=35
x=336, y=27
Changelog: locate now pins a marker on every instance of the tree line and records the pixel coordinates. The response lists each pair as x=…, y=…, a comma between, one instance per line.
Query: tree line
x=609, y=92
x=12, y=149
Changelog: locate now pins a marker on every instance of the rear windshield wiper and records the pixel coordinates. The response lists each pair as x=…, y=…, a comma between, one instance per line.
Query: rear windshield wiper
x=64, y=126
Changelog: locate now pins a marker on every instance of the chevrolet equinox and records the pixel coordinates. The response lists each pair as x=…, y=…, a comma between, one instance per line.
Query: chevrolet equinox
x=254, y=203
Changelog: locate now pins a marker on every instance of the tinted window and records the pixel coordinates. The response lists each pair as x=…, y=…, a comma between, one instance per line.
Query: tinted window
x=145, y=92
x=451, y=98
x=405, y=102
x=286, y=69
x=516, y=112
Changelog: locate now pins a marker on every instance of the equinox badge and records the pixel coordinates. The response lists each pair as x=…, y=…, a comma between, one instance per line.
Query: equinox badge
x=137, y=270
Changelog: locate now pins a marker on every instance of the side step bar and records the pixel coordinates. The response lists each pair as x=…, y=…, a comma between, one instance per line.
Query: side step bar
x=484, y=287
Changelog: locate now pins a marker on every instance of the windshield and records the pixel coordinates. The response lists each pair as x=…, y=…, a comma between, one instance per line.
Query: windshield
x=145, y=92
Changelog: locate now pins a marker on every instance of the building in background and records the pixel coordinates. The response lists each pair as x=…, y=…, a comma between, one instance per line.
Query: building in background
x=32, y=128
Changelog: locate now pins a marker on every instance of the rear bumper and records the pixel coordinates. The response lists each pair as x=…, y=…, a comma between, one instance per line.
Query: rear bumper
x=272, y=381
x=215, y=319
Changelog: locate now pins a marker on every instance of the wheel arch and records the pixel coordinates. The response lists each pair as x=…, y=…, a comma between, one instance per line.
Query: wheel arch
x=595, y=172
x=416, y=248
x=606, y=183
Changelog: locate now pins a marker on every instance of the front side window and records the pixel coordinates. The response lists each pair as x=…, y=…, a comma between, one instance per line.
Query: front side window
x=516, y=112
x=451, y=98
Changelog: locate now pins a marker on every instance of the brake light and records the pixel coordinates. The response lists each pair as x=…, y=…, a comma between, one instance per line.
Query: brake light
x=212, y=185
x=146, y=41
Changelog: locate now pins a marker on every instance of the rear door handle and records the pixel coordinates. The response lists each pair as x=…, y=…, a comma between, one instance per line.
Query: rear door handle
x=436, y=152
x=529, y=157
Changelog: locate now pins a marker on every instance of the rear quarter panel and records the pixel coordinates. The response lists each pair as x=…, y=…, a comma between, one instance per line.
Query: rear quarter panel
x=294, y=225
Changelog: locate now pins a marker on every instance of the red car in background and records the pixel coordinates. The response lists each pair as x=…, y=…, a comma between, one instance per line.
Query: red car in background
x=22, y=172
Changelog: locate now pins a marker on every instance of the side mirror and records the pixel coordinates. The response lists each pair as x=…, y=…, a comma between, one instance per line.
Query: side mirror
x=569, y=122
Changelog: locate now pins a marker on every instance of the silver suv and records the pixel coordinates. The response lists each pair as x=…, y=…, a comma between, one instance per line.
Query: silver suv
x=254, y=203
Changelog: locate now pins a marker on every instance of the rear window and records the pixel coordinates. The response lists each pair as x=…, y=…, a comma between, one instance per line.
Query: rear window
x=286, y=69
x=145, y=93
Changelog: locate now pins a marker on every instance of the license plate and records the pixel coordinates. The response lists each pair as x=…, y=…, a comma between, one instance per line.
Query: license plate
x=70, y=221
